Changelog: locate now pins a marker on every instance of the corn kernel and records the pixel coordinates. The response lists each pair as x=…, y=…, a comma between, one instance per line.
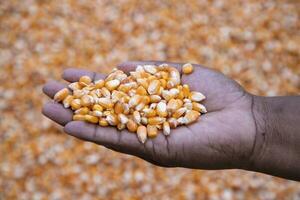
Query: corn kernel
x=82, y=111
x=131, y=126
x=191, y=116
x=75, y=104
x=197, y=96
x=78, y=117
x=152, y=131
x=154, y=87
x=156, y=120
x=91, y=119
x=67, y=101
x=97, y=107
x=105, y=102
x=86, y=100
x=85, y=80
x=199, y=107
x=99, y=84
x=136, y=117
x=166, y=128
x=61, y=95
x=113, y=84
x=142, y=134
x=103, y=122
x=187, y=68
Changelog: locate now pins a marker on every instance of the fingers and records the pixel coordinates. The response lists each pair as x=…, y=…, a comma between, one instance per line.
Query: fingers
x=57, y=113
x=110, y=137
x=52, y=87
x=131, y=65
x=73, y=75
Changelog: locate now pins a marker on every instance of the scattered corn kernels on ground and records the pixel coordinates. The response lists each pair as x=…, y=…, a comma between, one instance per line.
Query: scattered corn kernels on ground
x=150, y=99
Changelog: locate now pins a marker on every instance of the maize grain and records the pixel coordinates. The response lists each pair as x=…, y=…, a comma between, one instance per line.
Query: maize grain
x=187, y=68
x=151, y=98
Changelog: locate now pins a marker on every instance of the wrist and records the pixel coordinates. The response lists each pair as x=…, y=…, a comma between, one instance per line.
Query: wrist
x=275, y=149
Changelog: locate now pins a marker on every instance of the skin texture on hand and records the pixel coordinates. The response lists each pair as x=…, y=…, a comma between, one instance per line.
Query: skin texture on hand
x=221, y=139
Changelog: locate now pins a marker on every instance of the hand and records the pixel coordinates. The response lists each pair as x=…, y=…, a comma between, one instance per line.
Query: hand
x=222, y=138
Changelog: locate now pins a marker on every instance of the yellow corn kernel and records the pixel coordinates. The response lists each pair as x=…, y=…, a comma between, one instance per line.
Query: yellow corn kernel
x=121, y=126
x=186, y=90
x=156, y=120
x=149, y=112
x=161, y=109
x=126, y=108
x=191, y=116
x=188, y=105
x=75, y=104
x=105, y=102
x=178, y=113
x=146, y=100
x=78, y=93
x=142, y=133
x=173, y=105
x=135, y=100
x=91, y=119
x=144, y=120
x=122, y=118
x=97, y=107
x=112, y=84
x=112, y=119
x=131, y=126
x=187, y=68
x=89, y=87
x=199, y=107
x=67, y=101
x=124, y=88
x=163, y=83
x=154, y=87
x=117, y=95
x=141, y=91
x=155, y=98
x=143, y=82
x=140, y=106
x=99, y=84
x=85, y=80
x=124, y=99
x=86, y=100
x=173, y=122
x=103, y=122
x=180, y=95
x=151, y=78
x=164, y=75
x=136, y=117
x=166, y=128
x=197, y=96
x=74, y=86
x=61, y=95
x=105, y=92
x=97, y=113
x=78, y=117
x=119, y=108
x=152, y=131
x=150, y=69
x=82, y=111
x=166, y=95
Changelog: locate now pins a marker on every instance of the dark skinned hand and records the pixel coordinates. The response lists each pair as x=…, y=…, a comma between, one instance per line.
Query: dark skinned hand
x=221, y=139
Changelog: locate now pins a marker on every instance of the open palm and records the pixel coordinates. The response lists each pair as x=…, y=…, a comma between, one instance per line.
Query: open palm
x=222, y=138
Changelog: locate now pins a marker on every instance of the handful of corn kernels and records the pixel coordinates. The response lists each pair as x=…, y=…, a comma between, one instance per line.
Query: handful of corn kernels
x=150, y=99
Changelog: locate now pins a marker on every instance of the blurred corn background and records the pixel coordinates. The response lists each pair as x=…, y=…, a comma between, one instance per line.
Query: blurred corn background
x=256, y=42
